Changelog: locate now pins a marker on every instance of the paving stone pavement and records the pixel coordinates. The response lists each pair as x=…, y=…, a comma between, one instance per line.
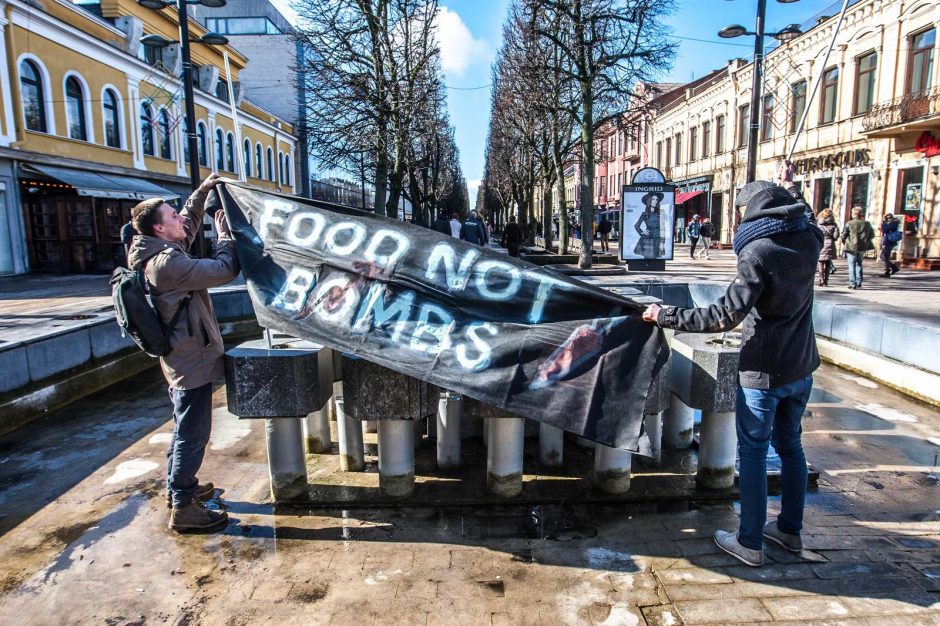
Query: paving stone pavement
x=84, y=538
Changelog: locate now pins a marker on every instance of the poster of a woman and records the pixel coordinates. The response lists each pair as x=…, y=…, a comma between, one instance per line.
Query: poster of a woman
x=647, y=225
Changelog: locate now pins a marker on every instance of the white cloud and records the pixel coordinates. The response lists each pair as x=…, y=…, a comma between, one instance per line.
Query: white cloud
x=459, y=49
x=473, y=184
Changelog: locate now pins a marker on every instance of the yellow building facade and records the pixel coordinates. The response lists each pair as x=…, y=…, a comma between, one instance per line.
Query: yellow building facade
x=91, y=122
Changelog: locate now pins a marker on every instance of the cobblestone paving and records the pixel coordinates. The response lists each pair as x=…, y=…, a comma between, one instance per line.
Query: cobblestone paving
x=84, y=538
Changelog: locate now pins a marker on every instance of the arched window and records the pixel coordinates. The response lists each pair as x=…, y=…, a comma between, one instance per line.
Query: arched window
x=219, y=150
x=230, y=152
x=259, y=162
x=201, y=141
x=280, y=167
x=287, y=170
x=165, y=151
x=146, y=129
x=185, y=141
x=246, y=157
x=112, y=120
x=270, y=160
x=31, y=92
x=75, y=109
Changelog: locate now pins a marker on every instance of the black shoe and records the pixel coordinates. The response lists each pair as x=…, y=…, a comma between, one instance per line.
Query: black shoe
x=195, y=516
x=894, y=269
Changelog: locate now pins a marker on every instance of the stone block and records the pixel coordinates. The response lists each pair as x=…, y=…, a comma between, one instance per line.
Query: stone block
x=57, y=354
x=373, y=392
x=15, y=368
x=480, y=410
x=913, y=344
x=856, y=326
x=280, y=382
x=657, y=400
x=704, y=294
x=704, y=371
x=822, y=318
x=106, y=339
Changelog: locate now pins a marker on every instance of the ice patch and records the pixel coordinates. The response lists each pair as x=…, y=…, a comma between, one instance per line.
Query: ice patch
x=858, y=380
x=620, y=616
x=886, y=413
x=160, y=438
x=131, y=469
x=227, y=430
x=605, y=558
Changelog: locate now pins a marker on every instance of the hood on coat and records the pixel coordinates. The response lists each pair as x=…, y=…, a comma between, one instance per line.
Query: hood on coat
x=144, y=247
x=765, y=199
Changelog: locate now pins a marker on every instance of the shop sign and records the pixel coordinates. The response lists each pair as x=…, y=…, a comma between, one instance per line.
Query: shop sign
x=928, y=144
x=849, y=158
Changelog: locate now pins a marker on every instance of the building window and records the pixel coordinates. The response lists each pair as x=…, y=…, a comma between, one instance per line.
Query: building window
x=280, y=167
x=230, y=152
x=678, y=148
x=153, y=55
x=668, y=161
x=706, y=138
x=767, y=118
x=246, y=157
x=744, y=119
x=920, y=66
x=242, y=26
x=865, y=82
x=185, y=142
x=201, y=141
x=75, y=109
x=165, y=149
x=830, y=92
x=219, y=150
x=146, y=129
x=659, y=154
x=693, y=144
x=719, y=134
x=270, y=160
x=259, y=162
x=112, y=125
x=797, y=103
x=221, y=90
x=31, y=92
x=287, y=170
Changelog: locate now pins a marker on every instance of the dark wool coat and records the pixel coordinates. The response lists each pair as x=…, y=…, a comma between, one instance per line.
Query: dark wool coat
x=830, y=232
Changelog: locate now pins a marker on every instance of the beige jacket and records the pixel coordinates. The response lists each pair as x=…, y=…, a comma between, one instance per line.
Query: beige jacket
x=196, y=343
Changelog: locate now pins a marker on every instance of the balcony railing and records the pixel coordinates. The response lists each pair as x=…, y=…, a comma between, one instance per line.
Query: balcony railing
x=903, y=110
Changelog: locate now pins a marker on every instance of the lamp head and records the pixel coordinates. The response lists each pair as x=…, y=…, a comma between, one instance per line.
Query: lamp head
x=212, y=4
x=156, y=5
x=789, y=32
x=732, y=31
x=155, y=41
x=213, y=39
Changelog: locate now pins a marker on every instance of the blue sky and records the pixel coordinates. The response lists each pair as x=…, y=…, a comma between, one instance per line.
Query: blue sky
x=471, y=31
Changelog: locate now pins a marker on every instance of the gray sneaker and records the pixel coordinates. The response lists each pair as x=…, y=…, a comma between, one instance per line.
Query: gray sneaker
x=793, y=543
x=195, y=516
x=728, y=541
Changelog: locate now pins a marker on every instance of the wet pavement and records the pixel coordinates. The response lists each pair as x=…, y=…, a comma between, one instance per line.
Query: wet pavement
x=83, y=536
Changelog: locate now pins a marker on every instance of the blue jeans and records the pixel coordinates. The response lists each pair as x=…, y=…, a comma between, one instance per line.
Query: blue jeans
x=764, y=416
x=192, y=424
x=855, y=268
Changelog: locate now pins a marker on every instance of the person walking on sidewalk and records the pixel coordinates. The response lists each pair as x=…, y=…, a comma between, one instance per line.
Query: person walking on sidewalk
x=473, y=230
x=830, y=231
x=441, y=224
x=707, y=232
x=694, y=230
x=604, y=228
x=512, y=236
x=455, y=225
x=180, y=283
x=772, y=294
x=857, y=238
x=890, y=237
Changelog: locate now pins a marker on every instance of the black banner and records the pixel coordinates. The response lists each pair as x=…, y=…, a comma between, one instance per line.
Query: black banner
x=459, y=316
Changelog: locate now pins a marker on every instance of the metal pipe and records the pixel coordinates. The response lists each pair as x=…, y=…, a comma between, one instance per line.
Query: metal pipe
x=396, y=458
x=756, y=86
x=287, y=465
x=551, y=445
x=189, y=106
x=504, y=452
x=449, y=409
x=352, y=456
x=718, y=445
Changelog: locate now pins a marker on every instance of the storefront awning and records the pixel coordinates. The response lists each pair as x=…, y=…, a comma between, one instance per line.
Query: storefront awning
x=104, y=185
x=682, y=196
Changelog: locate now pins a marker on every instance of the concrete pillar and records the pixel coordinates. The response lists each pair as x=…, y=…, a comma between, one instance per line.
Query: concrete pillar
x=611, y=470
x=551, y=445
x=653, y=424
x=504, y=456
x=717, y=450
x=287, y=465
x=317, y=427
x=449, y=408
x=677, y=424
x=396, y=457
x=352, y=456
x=337, y=393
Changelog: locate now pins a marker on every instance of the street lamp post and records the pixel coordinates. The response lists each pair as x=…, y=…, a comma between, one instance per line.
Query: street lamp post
x=212, y=39
x=736, y=30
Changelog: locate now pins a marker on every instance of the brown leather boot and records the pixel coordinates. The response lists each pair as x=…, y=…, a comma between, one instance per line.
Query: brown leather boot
x=195, y=516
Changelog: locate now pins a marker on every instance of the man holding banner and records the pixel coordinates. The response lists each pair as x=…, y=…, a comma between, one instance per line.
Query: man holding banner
x=772, y=294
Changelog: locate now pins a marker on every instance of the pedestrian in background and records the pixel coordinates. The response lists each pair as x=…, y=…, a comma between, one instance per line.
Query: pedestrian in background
x=707, y=232
x=890, y=238
x=455, y=225
x=857, y=238
x=603, y=228
x=441, y=224
x=694, y=230
x=512, y=236
x=179, y=287
x=772, y=294
x=830, y=232
x=473, y=231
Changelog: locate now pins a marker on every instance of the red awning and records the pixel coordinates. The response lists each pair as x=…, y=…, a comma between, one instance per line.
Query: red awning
x=682, y=196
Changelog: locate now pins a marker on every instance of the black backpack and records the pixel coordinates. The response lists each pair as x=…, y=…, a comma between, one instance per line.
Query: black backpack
x=136, y=315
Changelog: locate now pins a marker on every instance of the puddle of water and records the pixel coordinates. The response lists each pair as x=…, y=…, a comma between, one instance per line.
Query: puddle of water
x=607, y=559
x=131, y=469
x=227, y=430
x=886, y=413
